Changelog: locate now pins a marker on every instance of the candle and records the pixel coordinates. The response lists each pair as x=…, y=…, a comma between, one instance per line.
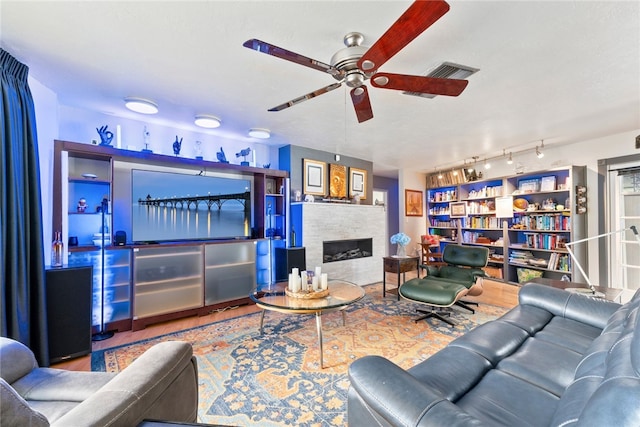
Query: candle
x=296, y=283
x=318, y=271
x=290, y=286
x=118, y=137
x=295, y=271
x=324, y=281
x=314, y=283
x=303, y=278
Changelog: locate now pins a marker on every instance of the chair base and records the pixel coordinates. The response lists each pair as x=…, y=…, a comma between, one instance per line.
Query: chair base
x=465, y=305
x=438, y=314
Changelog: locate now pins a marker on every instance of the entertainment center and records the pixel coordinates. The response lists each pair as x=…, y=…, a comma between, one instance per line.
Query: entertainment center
x=201, y=245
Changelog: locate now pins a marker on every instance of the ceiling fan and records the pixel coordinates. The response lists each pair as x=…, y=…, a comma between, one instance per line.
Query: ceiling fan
x=355, y=64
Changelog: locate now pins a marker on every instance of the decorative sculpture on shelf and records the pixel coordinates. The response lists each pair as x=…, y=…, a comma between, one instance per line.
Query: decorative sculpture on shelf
x=221, y=157
x=177, y=145
x=106, y=136
x=198, y=150
x=145, y=136
x=244, y=153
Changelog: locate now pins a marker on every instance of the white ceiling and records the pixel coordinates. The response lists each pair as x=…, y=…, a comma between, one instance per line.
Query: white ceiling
x=562, y=71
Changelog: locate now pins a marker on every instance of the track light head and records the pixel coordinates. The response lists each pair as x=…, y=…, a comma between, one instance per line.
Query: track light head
x=510, y=159
x=539, y=153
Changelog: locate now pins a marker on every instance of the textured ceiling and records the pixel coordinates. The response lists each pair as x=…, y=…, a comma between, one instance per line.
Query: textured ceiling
x=562, y=71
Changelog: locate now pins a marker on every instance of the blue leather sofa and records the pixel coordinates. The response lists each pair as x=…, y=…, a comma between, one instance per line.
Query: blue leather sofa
x=556, y=359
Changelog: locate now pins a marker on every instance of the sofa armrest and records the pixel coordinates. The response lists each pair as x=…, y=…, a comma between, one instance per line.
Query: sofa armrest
x=399, y=398
x=584, y=309
x=161, y=384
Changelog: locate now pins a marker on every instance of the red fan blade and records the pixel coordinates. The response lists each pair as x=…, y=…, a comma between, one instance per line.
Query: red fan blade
x=362, y=104
x=431, y=85
x=420, y=16
x=305, y=97
x=281, y=53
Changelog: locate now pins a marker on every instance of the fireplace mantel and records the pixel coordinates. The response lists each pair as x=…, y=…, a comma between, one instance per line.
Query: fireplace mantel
x=320, y=222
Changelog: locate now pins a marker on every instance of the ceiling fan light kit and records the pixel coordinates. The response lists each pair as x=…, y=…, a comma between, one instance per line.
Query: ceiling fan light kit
x=141, y=105
x=207, y=121
x=355, y=64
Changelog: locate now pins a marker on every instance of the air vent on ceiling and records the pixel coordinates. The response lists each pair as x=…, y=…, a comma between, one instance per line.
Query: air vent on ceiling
x=446, y=70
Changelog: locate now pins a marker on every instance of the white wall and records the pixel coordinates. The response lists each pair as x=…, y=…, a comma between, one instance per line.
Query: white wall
x=46, y=108
x=412, y=226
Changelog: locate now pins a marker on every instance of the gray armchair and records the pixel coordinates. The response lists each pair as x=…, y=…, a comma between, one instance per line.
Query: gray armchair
x=160, y=384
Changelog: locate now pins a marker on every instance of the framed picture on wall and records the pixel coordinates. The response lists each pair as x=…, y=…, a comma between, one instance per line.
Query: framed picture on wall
x=413, y=202
x=337, y=181
x=314, y=177
x=357, y=183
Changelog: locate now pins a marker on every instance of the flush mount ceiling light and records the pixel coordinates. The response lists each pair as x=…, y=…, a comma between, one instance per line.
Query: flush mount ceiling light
x=259, y=133
x=487, y=165
x=207, y=121
x=141, y=105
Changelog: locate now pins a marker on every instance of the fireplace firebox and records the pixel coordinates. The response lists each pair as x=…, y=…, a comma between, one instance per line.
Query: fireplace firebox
x=341, y=250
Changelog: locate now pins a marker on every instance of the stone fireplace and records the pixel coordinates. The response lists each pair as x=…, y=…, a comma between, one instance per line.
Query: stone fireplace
x=358, y=232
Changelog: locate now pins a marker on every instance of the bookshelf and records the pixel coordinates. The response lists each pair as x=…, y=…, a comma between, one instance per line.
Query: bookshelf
x=548, y=211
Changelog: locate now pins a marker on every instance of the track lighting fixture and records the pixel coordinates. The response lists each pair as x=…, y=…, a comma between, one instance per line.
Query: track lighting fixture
x=471, y=166
x=539, y=152
x=509, y=159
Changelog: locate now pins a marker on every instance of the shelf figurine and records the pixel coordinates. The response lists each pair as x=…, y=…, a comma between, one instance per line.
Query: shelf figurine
x=82, y=205
x=198, y=150
x=146, y=135
x=221, y=157
x=106, y=136
x=244, y=153
x=177, y=145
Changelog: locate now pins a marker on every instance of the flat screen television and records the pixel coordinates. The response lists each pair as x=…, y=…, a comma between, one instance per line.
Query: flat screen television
x=168, y=206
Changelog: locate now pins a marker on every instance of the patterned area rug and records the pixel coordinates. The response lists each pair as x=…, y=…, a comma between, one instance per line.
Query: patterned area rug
x=274, y=379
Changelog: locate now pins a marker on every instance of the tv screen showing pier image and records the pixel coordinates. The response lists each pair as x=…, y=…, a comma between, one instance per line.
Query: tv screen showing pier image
x=169, y=206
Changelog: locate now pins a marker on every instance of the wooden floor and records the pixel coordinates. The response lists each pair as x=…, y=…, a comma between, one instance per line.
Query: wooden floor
x=495, y=293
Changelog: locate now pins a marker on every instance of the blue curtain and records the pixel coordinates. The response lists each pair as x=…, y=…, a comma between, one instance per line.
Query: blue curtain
x=22, y=297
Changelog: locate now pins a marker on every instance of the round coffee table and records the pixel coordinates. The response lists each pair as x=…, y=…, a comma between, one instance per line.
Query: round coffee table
x=341, y=295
